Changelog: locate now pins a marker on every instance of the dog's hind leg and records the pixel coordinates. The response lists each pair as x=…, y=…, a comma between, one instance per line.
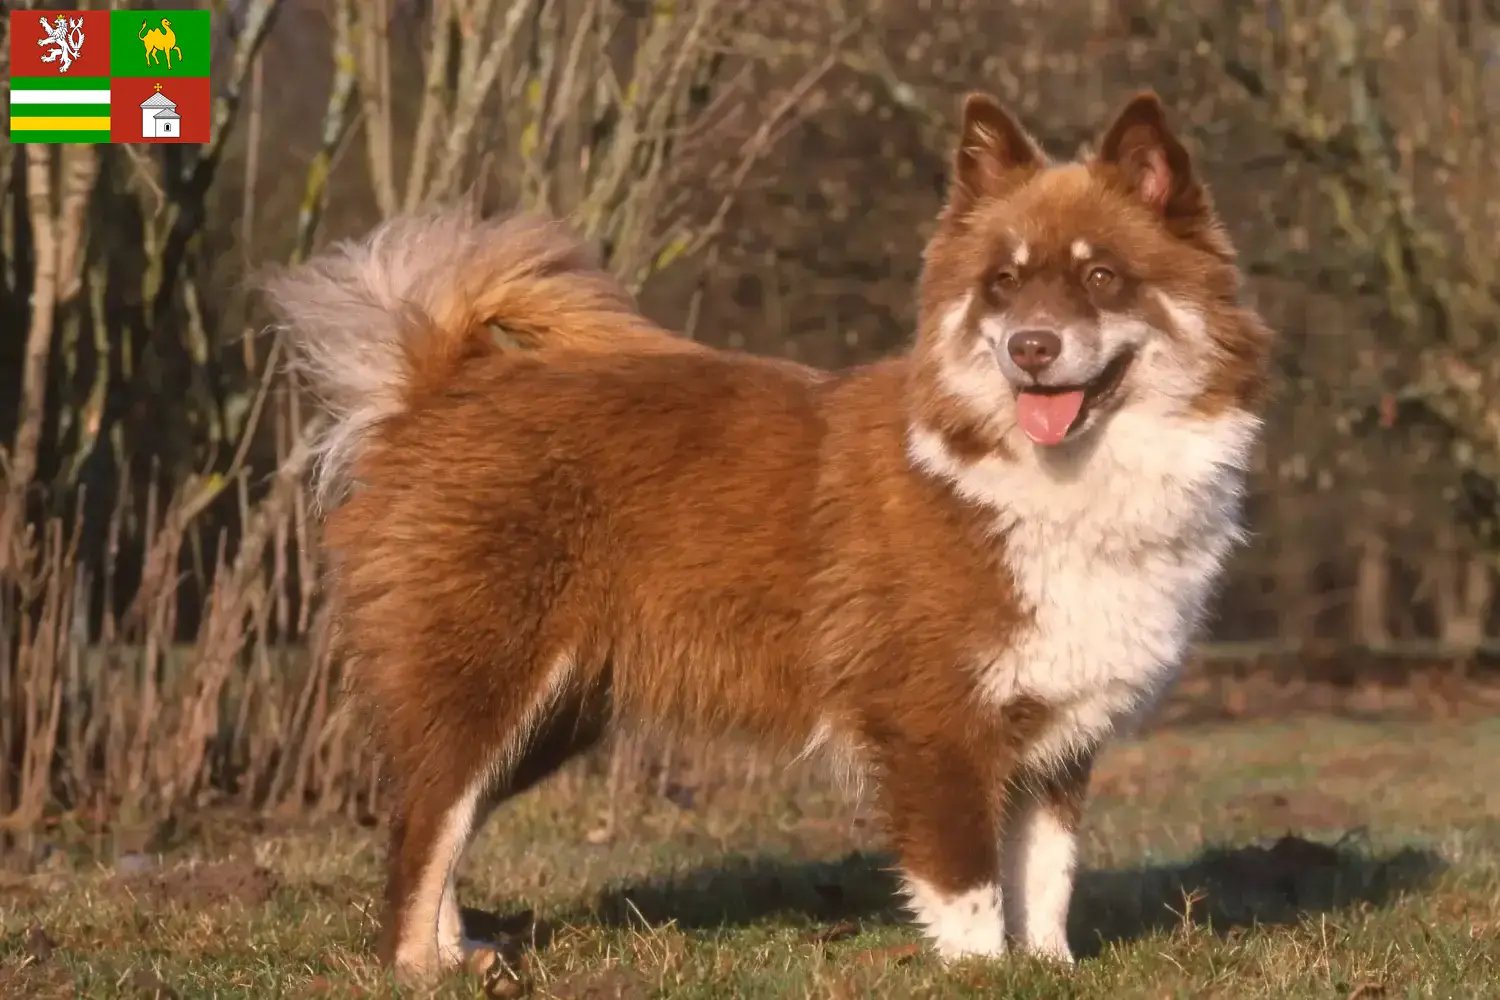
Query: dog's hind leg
x=575, y=726
x=441, y=803
x=453, y=768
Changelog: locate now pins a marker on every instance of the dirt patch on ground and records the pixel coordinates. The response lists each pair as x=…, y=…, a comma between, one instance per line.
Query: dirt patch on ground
x=1297, y=809
x=1375, y=764
x=39, y=945
x=33, y=973
x=36, y=982
x=149, y=985
x=238, y=882
x=1362, y=688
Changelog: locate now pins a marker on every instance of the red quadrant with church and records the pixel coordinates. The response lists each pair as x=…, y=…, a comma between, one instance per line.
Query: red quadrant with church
x=170, y=109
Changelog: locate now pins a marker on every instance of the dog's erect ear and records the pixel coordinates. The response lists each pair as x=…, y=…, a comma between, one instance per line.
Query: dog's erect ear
x=1152, y=162
x=994, y=155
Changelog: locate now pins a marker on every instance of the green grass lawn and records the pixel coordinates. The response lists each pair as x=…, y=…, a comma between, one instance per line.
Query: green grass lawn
x=1388, y=886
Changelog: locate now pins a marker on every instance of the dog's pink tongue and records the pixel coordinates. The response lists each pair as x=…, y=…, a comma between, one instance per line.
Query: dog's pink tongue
x=1046, y=416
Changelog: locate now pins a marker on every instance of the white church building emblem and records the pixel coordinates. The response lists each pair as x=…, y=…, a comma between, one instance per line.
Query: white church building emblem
x=159, y=119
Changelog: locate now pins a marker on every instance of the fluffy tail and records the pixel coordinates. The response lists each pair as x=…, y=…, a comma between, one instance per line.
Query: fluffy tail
x=372, y=323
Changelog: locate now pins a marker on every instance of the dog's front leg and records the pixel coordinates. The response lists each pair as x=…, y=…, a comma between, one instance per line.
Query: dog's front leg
x=944, y=823
x=1039, y=856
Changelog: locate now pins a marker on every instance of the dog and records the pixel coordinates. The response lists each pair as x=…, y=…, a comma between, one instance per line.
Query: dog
x=960, y=569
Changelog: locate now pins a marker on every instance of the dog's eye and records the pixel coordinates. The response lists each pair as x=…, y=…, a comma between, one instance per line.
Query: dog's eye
x=1005, y=282
x=1100, y=277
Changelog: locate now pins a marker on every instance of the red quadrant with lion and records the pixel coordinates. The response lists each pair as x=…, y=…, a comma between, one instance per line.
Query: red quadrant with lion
x=76, y=43
x=170, y=109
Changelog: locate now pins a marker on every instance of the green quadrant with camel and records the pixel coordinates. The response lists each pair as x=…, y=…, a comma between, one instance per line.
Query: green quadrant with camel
x=159, y=43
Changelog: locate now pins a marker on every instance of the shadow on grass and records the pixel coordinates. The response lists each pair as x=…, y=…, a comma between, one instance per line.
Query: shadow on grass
x=1222, y=888
x=1232, y=887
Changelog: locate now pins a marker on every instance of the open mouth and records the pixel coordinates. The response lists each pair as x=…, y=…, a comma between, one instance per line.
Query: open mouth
x=1048, y=414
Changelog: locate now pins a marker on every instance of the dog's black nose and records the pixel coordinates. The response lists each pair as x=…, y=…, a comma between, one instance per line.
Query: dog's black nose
x=1034, y=350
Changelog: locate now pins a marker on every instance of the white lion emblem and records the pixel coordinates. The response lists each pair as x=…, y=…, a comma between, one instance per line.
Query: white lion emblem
x=67, y=39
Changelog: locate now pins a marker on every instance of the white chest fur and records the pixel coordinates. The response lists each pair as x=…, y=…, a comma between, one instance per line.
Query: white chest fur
x=1115, y=547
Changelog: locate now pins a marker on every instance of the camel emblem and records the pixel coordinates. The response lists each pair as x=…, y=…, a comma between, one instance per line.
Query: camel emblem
x=159, y=40
x=66, y=39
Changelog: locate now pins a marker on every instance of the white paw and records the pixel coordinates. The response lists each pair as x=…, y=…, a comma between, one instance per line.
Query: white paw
x=968, y=924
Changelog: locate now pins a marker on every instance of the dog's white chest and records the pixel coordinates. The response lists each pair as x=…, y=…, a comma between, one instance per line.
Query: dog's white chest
x=1115, y=560
x=1107, y=634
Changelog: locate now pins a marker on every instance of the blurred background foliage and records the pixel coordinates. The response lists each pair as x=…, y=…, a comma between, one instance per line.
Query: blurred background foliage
x=764, y=173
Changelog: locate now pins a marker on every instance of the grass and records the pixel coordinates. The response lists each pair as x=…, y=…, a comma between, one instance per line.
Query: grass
x=1314, y=857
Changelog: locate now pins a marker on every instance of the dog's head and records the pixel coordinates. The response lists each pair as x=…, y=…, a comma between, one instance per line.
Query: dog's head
x=1056, y=294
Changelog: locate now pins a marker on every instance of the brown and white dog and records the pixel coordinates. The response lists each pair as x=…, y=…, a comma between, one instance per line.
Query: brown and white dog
x=960, y=569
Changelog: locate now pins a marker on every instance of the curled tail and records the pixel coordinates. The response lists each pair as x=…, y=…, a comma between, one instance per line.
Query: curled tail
x=372, y=323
